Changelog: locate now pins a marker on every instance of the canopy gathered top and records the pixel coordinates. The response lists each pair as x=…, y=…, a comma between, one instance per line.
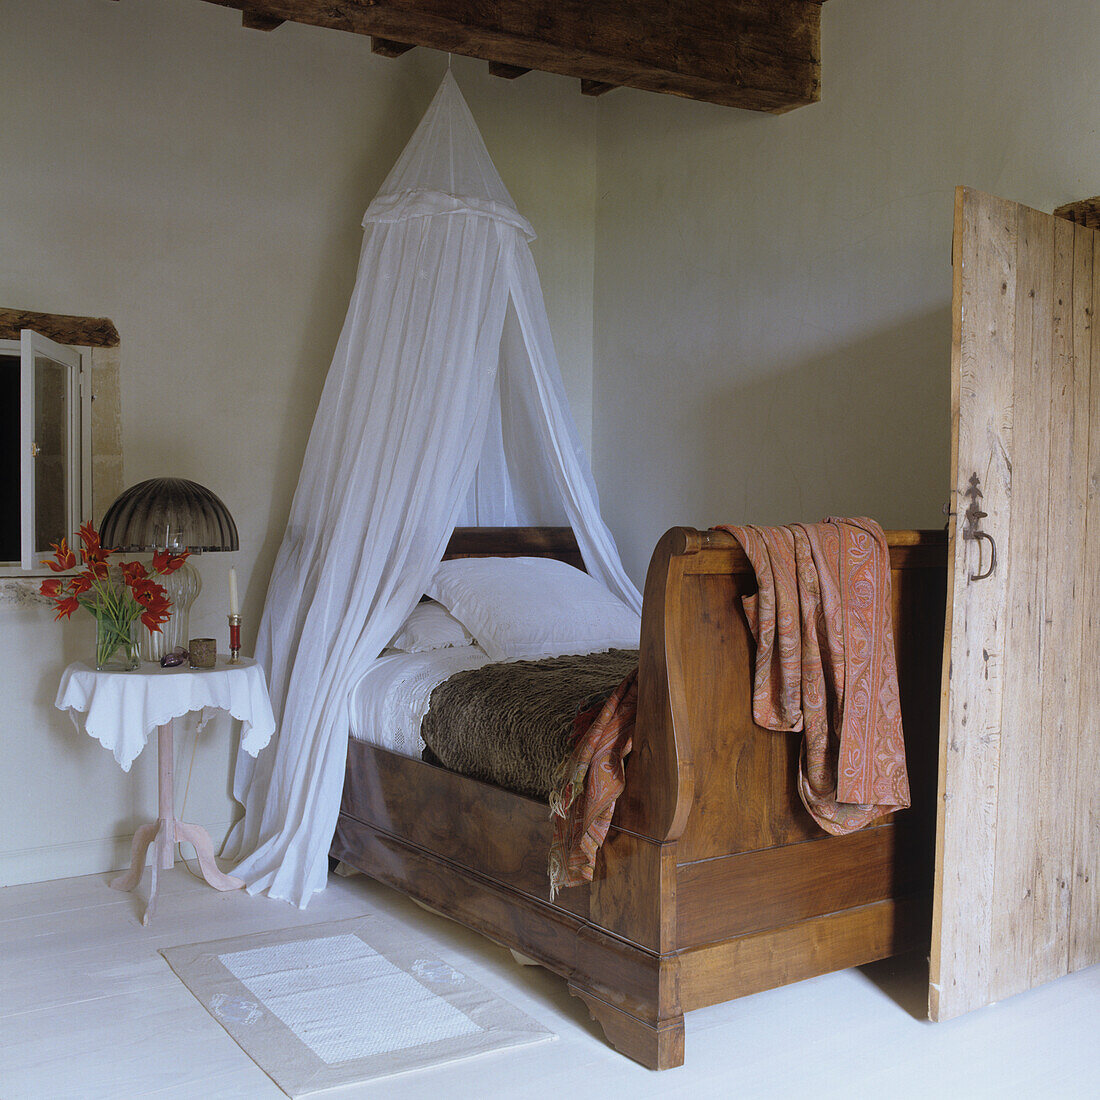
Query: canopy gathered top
x=444, y=404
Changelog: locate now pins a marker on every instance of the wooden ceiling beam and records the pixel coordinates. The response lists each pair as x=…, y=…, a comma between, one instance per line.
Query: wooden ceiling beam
x=595, y=87
x=386, y=47
x=254, y=21
x=506, y=72
x=762, y=55
x=1085, y=212
x=90, y=332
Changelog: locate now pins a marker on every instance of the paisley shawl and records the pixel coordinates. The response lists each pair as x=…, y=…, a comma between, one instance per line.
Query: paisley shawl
x=825, y=663
x=588, y=784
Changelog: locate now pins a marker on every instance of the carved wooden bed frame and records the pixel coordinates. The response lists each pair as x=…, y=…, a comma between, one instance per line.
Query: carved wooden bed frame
x=714, y=882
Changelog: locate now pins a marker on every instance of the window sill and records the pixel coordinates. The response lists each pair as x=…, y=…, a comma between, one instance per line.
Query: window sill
x=15, y=573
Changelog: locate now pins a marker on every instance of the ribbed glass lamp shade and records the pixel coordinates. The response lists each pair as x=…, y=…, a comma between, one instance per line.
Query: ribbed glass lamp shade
x=168, y=513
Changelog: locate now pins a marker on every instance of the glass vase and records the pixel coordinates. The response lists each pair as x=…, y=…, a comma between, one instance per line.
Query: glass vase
x=116, y=647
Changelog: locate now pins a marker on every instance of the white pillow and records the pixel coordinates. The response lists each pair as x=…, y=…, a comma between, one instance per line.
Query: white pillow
x=526, y=608
x=430, y=626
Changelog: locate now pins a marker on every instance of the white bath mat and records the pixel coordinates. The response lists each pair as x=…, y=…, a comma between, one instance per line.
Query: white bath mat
x=330, y=1005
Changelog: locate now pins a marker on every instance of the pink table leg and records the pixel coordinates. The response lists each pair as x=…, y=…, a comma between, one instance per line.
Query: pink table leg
x=166, y=831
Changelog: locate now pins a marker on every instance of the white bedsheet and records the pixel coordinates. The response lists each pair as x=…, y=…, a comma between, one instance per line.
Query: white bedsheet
x=390, y=700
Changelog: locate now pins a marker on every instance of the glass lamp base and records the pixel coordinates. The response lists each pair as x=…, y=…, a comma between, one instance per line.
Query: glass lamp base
x=182, y=586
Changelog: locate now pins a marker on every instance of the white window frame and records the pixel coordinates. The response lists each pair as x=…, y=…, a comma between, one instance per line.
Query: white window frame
x=78, y=360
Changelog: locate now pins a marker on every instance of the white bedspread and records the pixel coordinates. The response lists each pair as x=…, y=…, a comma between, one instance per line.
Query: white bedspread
x=390, y=701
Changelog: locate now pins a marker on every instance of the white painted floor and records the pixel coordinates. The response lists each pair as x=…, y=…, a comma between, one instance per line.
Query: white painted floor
x=89, y=1009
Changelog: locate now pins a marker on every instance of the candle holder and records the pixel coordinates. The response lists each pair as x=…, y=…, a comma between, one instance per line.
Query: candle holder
x=234, y=639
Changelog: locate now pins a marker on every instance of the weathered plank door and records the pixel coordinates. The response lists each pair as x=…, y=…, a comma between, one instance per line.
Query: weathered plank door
x=1018, y=846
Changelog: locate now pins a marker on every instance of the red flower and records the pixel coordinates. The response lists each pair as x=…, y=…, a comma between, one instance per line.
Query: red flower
x=66, y=607
x=155, y=600
x=91, y=551
x=142, y=587
x=147, y=591
x=133, y=571
x=153, y=622
x=64, y=557
x=163, y=562
x=151, y=600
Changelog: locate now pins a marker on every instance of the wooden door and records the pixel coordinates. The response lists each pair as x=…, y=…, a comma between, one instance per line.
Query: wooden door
x=1018, y=844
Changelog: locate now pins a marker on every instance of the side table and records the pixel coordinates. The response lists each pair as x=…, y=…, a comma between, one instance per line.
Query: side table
x=120, y=709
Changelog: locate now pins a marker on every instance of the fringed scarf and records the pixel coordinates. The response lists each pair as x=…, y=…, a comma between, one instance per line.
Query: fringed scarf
x=825, y=663
x=588, y=783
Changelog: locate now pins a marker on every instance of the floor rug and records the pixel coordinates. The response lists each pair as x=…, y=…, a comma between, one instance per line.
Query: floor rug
x=330, y=1005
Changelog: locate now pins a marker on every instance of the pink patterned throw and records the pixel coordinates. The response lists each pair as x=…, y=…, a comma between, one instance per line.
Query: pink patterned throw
x=825, y=663
x=590, y=781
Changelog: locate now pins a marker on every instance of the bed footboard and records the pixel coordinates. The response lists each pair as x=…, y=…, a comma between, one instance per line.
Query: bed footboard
x=763, y=895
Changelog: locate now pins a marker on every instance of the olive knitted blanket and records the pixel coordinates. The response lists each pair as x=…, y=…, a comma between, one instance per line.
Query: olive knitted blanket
x=512, y=723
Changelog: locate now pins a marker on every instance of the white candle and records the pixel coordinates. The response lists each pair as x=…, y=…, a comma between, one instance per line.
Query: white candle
x=234, y=606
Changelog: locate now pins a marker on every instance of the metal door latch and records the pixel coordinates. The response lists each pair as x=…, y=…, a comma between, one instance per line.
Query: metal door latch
x=972, y=532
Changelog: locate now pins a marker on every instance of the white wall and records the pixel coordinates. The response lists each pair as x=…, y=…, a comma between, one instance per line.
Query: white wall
x=202, y=186
x=773, y=293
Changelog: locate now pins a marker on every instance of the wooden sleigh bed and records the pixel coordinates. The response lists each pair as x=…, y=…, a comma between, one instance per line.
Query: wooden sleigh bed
x=714, y=882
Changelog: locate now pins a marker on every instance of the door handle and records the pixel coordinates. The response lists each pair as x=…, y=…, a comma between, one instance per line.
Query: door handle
x=978, y=536
x=972, y=531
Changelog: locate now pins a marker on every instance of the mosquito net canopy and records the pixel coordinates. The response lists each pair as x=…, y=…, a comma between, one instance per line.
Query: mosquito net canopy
x=443, y=404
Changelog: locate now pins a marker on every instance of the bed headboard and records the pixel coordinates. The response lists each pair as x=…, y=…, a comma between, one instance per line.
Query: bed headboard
x=515, y=542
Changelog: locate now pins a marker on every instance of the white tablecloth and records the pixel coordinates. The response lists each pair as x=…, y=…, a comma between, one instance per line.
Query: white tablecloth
x=121, y=709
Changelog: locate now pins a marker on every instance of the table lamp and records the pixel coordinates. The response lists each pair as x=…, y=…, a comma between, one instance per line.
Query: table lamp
x=169, y=513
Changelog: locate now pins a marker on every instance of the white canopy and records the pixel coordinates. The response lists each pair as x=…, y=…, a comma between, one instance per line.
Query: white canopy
x=444, y=403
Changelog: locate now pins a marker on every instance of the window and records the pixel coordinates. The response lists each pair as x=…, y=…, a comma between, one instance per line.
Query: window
x=45, y=448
